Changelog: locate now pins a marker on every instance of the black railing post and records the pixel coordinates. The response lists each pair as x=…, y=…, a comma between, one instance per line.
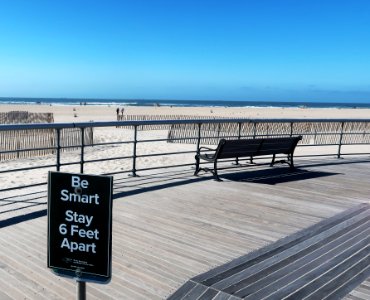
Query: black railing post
x=340, y=139
x=82, y=149
x=239, y=136
x=58, y=149
x=254, y=129
x=91, y=131
x=291, y=128
x=198, y=145
x=134, y=153
x=199, y=136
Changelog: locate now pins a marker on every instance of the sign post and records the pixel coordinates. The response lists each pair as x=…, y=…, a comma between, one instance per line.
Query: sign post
x=80, y=227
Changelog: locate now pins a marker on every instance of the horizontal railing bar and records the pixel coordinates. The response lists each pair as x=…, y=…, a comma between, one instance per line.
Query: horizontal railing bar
x=164, y=154
x=158, y=140
x=316, y=155
x=70, y=163
x=22, y=187
x=165, y=167
x=352, y=144
x=316, y=145
x=343, y=154
x=27, y=149
x=118, y=172
x=9, y=198
x=194, y=138
x=112, y=143
x=356, y=133
x=26, y=169
x=109, y=158
x=72, y=146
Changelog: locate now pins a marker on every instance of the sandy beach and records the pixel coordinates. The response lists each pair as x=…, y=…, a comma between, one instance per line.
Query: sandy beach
x=85, y=113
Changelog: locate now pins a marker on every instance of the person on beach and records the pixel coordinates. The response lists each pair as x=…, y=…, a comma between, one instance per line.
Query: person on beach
x=122, y=111
x=117, y=110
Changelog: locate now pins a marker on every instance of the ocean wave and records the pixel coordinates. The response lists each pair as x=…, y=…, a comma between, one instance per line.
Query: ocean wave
x=180, y=103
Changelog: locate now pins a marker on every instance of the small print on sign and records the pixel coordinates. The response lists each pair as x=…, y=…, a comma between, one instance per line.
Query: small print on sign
x=80, y=226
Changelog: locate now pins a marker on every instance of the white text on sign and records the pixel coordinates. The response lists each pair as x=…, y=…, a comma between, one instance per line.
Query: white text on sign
x=72, y=229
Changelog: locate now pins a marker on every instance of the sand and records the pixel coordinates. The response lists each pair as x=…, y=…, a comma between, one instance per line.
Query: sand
x=108, y=113
x=66, y=114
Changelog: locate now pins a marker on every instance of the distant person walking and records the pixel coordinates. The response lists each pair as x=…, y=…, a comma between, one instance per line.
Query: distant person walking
x=117, y=110
x=122, y=111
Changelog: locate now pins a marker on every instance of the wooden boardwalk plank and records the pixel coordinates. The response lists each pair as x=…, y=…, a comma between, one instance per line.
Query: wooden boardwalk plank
x=316, y=257
x=209, y=294
x=346, y=281
x=312, y=275
x=170, y=226
x=285, y=251
x=335, y=250
x=232, y=267
x=196, y=292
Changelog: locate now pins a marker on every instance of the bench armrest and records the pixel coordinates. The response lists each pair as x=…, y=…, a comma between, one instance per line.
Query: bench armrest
x=206, y=148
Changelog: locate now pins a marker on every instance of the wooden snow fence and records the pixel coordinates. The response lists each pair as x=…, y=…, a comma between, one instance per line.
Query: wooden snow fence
x=315, y=133
x=160, y=118
x=28, y=143
x=25, y=117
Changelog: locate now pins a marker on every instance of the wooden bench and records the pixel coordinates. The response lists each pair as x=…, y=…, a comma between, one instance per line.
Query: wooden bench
x=247, y=148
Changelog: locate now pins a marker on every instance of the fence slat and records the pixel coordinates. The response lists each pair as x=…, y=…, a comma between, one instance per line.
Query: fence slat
x=36, y=138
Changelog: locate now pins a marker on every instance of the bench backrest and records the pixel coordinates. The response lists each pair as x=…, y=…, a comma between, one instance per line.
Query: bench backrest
x=254, y=147
x=238, y=148
x=282, y=145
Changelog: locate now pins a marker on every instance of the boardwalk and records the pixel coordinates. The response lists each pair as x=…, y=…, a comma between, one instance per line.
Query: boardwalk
x=326, y=260
x=169, y=226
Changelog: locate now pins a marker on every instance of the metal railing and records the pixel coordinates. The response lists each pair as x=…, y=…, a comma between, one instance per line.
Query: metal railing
x=343, y=132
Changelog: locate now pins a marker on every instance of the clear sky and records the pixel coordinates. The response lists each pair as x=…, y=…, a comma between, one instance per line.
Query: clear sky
x=292, y=50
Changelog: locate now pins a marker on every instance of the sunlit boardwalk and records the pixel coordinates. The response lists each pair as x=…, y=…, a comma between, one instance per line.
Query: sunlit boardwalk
x=324, y=261
x=169, y=226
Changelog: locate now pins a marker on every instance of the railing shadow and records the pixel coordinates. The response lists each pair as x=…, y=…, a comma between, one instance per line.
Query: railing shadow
x=130, y=185
x=154, y=181
x=23, y=218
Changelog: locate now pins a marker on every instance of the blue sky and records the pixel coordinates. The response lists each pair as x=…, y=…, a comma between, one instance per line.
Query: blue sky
x=283, y=50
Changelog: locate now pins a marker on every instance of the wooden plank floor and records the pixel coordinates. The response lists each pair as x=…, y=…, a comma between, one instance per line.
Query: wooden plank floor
x=169, y=226
x=324, y=261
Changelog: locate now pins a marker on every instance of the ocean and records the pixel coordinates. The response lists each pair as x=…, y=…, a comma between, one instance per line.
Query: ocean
x=179, y=103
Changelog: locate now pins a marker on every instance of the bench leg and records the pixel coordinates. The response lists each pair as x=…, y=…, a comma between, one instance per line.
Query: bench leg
x=273, y=160
x=290, y=159
x=196, y=165
x=215, y=171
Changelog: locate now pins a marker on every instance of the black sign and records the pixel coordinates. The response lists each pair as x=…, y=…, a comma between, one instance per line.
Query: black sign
x=80, y=226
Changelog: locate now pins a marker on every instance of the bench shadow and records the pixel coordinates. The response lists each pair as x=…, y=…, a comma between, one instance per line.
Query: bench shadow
x=273, y=176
